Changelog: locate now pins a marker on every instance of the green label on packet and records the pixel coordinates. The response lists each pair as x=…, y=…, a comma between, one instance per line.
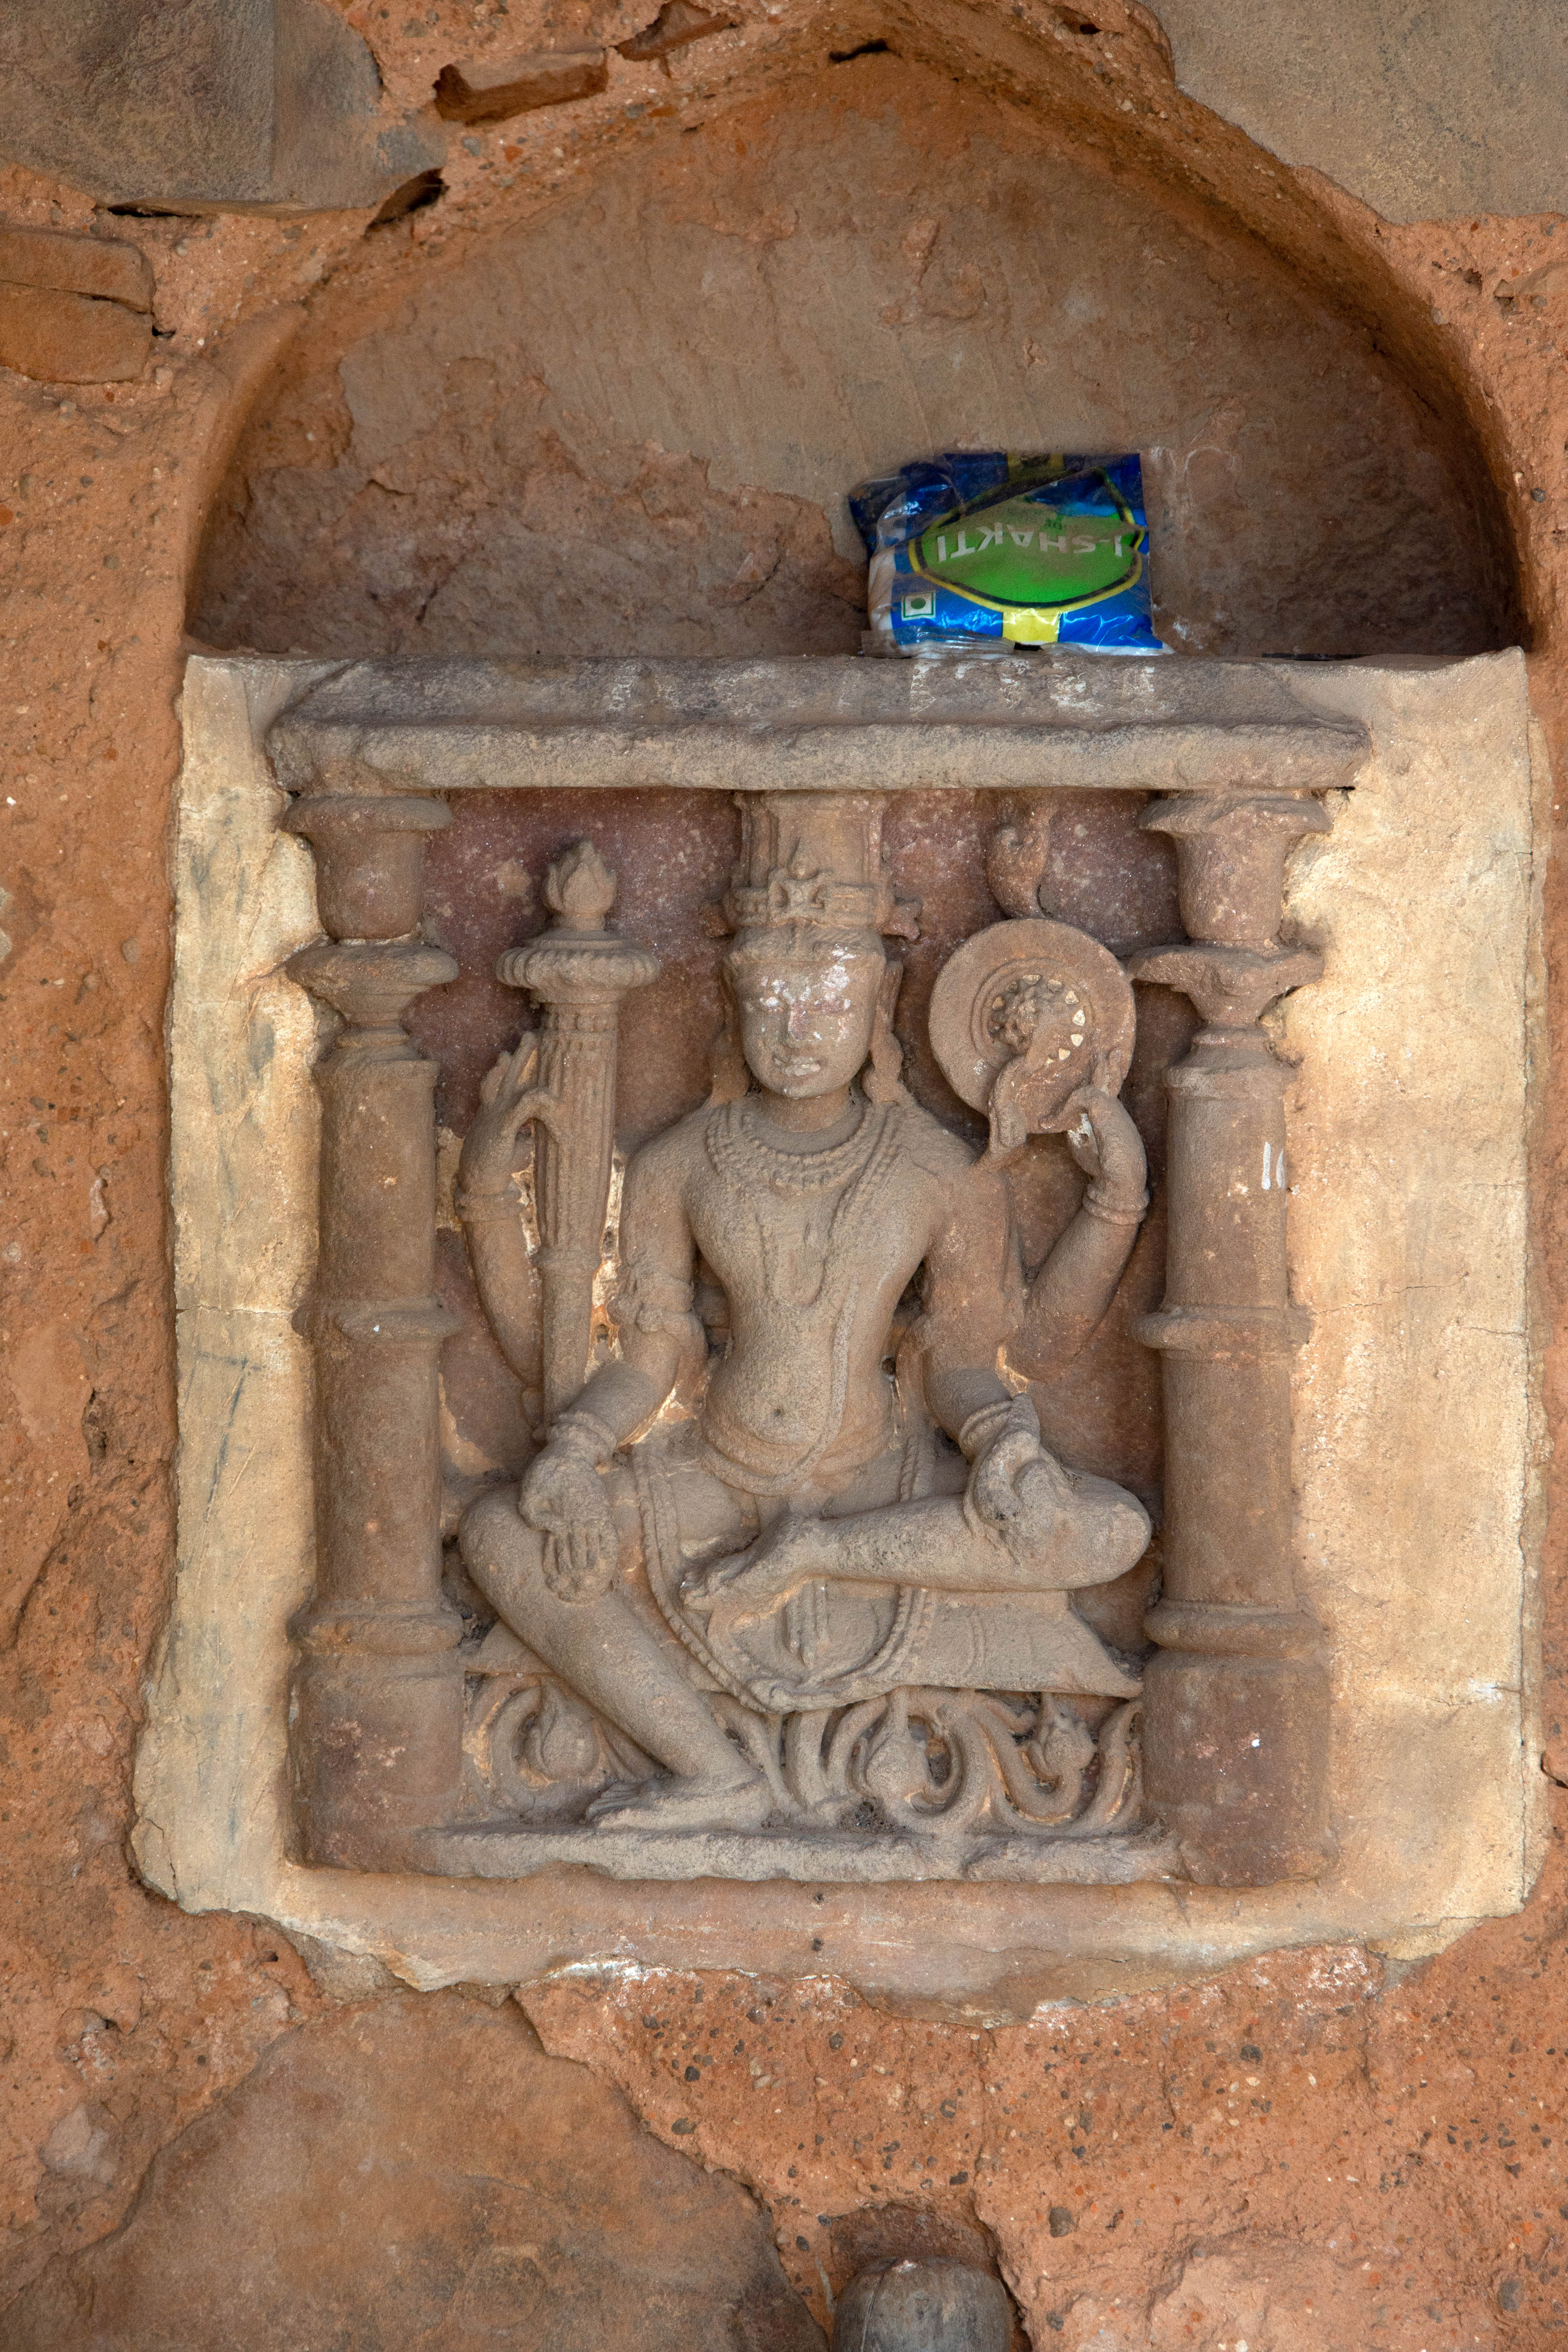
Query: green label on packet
x=1020, y=553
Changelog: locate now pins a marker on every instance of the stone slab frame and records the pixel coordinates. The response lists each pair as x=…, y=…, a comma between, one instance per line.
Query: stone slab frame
x=1415, y=1402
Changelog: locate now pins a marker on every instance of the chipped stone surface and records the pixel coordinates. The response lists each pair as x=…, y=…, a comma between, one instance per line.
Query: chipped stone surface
x=74, y=310
x=244, y=1221
x=366, y=2143
x=1417, y=1533
x=221, y=105
x=70, y=338
x=103, y=267
x=1277, y=2156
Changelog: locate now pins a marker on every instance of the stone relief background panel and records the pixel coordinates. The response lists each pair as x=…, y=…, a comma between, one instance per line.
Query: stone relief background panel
x=1427, y=1606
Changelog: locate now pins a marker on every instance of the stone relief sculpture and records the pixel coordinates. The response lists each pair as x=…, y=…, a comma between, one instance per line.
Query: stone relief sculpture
x=801, y=1530
x=791, y=1585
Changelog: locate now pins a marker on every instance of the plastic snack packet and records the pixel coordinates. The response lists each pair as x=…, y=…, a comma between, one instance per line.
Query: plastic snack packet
x=986, y=550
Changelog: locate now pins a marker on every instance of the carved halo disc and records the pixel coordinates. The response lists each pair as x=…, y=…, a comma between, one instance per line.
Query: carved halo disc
x=1039, y=990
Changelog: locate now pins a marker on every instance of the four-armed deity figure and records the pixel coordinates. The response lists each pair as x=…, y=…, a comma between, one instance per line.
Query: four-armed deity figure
x=810, y=1475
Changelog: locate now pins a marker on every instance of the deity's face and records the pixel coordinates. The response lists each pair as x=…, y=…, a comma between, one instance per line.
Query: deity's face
x=808, y=1001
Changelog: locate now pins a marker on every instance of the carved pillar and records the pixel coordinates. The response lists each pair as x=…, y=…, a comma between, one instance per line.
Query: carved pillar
x=377, y=1719
x=1235, y=1702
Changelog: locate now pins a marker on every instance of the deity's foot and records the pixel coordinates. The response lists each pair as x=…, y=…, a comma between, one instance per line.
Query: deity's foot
x=674, y=1803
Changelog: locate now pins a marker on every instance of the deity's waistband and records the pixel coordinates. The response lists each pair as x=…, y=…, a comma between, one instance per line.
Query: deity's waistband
x=755, y=1467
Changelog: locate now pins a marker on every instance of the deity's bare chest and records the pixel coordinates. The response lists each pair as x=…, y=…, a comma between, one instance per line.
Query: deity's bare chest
x=793, y=1237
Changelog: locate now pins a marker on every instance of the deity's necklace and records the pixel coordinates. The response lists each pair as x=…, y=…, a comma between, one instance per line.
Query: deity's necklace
x=739, y=1152
x=860, y=1165
x=863, y=1164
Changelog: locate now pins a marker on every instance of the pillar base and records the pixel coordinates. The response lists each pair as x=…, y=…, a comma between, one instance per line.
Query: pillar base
x=377, y=1719
x=1233, y=1763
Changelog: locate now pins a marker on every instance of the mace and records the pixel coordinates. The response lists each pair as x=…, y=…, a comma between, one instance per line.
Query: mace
x=579, y=971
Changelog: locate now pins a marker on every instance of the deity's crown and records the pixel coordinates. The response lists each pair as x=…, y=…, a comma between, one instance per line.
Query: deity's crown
x=815, y=857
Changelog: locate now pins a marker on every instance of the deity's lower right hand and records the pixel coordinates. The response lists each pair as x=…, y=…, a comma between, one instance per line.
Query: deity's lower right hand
x=577, y=1568
x=563, y=1498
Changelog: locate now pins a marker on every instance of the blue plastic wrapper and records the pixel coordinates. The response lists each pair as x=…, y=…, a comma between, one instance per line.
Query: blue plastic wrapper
x=989, y=551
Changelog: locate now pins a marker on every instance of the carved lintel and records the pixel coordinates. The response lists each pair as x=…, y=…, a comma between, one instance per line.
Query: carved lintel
x=1236, y=1702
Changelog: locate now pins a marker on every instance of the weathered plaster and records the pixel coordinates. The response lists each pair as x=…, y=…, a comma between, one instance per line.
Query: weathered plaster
x=1423, y=113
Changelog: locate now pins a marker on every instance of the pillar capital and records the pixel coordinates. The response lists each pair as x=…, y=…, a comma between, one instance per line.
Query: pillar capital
x=1231, y=857
x=370, y=857
x=1232, y=987
x=372, y=984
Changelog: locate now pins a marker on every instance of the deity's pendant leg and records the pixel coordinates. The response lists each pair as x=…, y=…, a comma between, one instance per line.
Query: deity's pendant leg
x=601, y=1648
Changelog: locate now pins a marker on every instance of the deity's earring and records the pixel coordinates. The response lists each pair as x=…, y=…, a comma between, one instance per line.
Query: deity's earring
x=883, y=1081
x=732, y=1077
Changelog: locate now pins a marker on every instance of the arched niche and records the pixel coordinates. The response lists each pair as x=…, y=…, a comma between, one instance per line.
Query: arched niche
x=623, y=425
x=628, y=423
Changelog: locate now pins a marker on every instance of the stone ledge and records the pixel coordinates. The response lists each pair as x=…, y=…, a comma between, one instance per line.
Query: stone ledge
x=819, y=1858
x=821, y=722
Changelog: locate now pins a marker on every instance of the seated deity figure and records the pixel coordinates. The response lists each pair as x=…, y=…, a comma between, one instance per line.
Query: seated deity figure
x=811, y=1473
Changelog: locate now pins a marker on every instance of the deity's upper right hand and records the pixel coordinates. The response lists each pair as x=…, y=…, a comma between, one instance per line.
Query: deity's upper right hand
x=491, y=1147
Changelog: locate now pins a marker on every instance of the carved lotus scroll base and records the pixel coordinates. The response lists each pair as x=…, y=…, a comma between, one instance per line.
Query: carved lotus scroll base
x=919, y=1784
